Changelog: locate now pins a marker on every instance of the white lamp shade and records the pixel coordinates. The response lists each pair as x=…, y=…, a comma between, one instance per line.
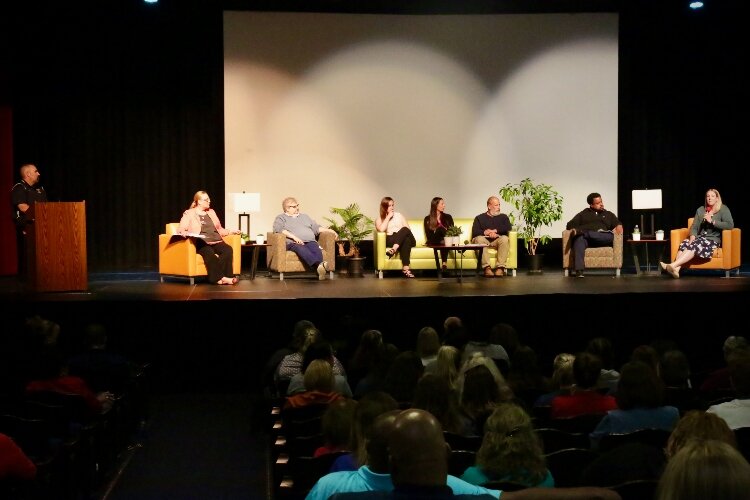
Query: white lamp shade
x=246, y=203
x=646, y=199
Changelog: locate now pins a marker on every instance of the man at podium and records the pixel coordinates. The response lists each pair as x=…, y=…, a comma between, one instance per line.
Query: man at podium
x=23, y=196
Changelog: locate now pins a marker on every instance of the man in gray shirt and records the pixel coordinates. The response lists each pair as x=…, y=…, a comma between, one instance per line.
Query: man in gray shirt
x=301, y=233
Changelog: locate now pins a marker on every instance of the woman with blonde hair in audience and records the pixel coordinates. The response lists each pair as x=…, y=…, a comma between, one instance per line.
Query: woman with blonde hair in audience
x=705, y=468
x=510, y=451
x=481, y=388
x=447, y=364
x=319, y=384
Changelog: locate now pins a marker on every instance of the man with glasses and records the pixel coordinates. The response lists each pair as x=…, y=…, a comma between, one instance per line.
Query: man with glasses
x=301, y=235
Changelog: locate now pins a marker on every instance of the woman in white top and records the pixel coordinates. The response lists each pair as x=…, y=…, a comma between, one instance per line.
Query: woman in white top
x=399, y=237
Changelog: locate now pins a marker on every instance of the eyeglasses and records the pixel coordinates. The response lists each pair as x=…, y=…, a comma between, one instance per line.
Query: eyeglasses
x=292, y=206
x=207, y=200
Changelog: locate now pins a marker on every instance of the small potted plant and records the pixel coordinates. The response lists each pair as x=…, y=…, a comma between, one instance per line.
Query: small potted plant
x=245, y=238
x=260, y=238
x=352, y=229
x=453, y=235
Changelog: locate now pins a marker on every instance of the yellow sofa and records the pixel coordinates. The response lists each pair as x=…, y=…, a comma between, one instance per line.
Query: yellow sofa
x=423, y=257
x=725, y=258
x=177, y=255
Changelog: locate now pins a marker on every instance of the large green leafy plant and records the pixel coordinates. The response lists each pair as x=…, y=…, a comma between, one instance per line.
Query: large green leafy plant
x=535, y=206
x=353, y=227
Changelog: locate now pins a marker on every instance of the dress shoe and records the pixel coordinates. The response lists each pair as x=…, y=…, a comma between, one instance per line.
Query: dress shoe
x=488, y=272
x=499, y=272
x=579, y=274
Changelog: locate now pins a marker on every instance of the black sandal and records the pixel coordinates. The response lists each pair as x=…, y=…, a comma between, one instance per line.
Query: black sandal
x=407, y=273
x=390, y=252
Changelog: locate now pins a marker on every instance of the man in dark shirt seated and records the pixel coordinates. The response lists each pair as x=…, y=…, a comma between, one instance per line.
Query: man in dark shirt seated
x=592, y=227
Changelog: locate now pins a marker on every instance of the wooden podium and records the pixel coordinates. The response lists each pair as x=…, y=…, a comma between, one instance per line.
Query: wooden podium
x=57, y=247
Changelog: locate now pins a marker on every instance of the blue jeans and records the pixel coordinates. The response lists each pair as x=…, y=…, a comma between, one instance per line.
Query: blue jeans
x=309, y=252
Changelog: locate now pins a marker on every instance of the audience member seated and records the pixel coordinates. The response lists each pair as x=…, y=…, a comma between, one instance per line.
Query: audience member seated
x=525, y=377
x=602, y=347
x=435, y=395
x=375, y=474
x=562, y=379
x=585, y=398
x=320, y=349
x=291, y=364
x=510, y=451
x=448, y=364
x=699, y=425
x=481, y=388
x=648, y=355
x=299, y=335
x=718, y=381
x=639, y=397
x=674, y=370
x=705, y=469
x=14, y=464
x=54, y=377
x=367, y=359
x=102, y=369
x=454, y=333
x=428, y=344
x=336, y=427
x=736, y=413
x=319, y=384
x=402, y=377
x=489, y=345
x=368, y=408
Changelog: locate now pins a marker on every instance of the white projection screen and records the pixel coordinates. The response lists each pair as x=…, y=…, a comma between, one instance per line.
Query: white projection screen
x=336, y=109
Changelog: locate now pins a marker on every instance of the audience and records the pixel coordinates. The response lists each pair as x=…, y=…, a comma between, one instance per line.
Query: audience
x=510, y=451
x=719, y=380
x=402, y=377
x=585, y=398
x=736, y=412
x=562, y=379
x=602, y=347
x=435, y=395
x=481, y=388
x=705, y=468
x=336, y=427
x=319, y=386
x=102, y=369
x=14, y=464
x=447, y=365
x=320, y=349
x=428, y=344
x=698, y=424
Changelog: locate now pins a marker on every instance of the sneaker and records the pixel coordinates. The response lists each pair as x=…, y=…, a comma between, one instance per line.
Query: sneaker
x=488, y=272
x=579, y=274
x=322, y=271
x=499, y=272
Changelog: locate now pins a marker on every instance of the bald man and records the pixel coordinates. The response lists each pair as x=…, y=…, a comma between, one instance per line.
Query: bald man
x=419, y=468
x=22, y=197
x=375, y=477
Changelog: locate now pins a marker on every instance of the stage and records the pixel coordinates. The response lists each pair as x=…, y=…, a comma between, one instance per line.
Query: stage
x=208, y=337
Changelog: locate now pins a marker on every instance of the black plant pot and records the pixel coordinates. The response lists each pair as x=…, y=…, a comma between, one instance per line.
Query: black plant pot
x=355, y=266
x=535, y=263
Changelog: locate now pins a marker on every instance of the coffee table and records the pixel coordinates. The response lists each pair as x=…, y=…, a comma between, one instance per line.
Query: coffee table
x=456, y=249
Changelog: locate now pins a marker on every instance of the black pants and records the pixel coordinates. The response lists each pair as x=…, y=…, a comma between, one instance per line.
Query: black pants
x=405, y=241
x=218, y=258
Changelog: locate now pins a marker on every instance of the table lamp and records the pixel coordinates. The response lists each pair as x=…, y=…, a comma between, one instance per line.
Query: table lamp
x=647, y=199
x=245, y=204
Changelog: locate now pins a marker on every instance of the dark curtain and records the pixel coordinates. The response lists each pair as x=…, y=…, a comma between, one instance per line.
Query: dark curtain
x=120, y=104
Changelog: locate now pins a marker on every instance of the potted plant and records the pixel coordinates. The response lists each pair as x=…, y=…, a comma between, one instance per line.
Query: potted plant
x=245, y=238
x=454, y=233
x=535, y=206
x=353, y=227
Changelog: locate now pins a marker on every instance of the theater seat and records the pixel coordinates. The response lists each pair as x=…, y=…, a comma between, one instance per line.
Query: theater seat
x=178, y=258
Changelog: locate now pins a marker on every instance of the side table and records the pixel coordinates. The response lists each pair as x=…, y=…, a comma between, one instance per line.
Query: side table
x=456, y=249
x=636, y=245
x=254, y=257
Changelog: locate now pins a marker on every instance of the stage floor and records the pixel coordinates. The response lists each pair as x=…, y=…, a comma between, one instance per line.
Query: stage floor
x=148, y=287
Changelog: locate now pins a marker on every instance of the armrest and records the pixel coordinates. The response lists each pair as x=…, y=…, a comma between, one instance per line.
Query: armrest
x=617, y=250
x=378, y=248
x=730, y=247
x=235, y=241
x=327, y=242
x=176, y=255
x=276, y=250
x=567, y=250
x=675, y=238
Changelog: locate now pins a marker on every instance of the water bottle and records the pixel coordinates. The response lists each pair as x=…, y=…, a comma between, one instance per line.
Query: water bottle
x=636, y=230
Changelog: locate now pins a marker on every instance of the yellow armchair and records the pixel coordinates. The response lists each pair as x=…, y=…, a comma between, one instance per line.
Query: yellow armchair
x=178, y=258
x=423, y=257
x=726, y=257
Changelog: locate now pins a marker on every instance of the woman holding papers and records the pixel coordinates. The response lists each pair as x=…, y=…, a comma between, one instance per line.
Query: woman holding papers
x=201, y=222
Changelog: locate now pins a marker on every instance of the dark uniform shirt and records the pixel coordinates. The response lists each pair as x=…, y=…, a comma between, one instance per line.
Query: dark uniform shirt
x=23, y=193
